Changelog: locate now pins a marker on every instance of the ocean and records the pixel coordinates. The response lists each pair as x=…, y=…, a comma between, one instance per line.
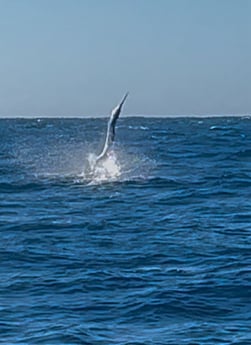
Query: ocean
x=154, y=247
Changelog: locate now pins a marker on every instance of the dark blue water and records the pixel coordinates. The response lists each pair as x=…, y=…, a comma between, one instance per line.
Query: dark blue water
x=156, y=250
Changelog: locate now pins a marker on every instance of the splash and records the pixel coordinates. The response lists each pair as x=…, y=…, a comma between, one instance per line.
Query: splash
x=107, y=170
x=52, y=151
x=118, y=166
x=76, y=163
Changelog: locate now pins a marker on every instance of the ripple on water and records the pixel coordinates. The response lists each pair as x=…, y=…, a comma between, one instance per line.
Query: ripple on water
x=153, y=248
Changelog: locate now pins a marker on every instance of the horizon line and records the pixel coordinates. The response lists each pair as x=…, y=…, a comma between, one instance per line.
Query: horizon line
x=123, y=116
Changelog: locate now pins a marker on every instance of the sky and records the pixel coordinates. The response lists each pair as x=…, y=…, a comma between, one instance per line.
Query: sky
x=78, y=57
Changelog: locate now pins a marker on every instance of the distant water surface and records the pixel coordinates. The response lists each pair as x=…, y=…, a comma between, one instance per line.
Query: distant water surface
x=154, y=248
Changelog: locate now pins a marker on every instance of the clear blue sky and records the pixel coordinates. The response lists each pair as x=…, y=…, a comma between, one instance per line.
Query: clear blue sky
x=78, y=57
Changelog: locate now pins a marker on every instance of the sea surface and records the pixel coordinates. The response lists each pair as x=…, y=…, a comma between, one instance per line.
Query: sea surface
x=153, y=246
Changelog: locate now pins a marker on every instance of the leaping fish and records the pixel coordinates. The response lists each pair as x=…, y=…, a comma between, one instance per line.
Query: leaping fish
x=110, y=134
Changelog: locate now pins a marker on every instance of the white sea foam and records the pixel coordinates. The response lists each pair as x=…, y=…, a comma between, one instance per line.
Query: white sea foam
x=118, y=166
x=107, y=170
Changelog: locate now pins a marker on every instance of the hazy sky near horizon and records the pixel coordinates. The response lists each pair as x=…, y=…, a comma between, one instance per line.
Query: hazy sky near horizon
x=78, y=57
